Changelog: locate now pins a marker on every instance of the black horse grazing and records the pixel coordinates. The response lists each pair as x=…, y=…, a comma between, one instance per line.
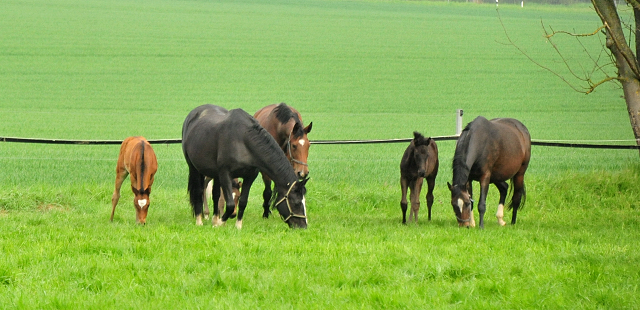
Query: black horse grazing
x=420, y=161
x=224, y=145
x=489, y=152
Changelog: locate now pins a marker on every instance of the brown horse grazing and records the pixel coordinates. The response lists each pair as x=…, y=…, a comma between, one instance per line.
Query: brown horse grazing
x=138, y=160
x=284, y=124
x=221, y=202
x=489, y=152
x=420, y=161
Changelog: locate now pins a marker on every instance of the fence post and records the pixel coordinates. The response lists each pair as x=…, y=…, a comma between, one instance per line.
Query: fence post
x=459, y=114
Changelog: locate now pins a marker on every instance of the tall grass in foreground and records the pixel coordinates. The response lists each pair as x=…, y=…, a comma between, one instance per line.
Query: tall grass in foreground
x=573, y=247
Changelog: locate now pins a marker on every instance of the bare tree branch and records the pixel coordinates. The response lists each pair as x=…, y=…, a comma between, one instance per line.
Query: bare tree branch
x=547, y=35
x=586, y=79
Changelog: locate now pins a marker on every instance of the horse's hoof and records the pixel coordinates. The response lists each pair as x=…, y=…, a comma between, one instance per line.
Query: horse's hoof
x=239, y=225
x=199, y=220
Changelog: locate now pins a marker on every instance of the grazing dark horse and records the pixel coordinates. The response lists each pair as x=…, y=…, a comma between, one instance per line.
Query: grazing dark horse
x=221, y=202
x=225, y=145
x=138, y=160
x=419, y=162
x=284, y=124
x=489, y=152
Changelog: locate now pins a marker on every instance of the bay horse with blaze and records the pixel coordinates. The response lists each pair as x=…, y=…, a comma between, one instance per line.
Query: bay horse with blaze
x=284, y=124
x=419, y=162
x=489, y=152
x=224, y=145
x=137, y=160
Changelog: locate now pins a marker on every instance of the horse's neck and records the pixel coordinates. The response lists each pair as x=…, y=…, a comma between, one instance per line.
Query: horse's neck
x=464, y=160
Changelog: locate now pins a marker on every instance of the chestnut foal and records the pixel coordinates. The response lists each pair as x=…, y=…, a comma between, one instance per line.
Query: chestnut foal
x=138, y=160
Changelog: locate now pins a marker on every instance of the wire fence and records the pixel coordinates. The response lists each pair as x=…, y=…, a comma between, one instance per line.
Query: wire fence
x=551, y=143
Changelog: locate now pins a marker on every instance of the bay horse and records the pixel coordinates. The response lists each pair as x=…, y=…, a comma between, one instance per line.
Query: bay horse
x=284, y=124
x=221, y=202
x=489, y=152
x=225, y=145
x=419, y=162
x=137, y=160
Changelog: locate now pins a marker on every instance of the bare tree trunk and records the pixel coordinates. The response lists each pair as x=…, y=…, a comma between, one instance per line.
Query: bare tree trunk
x=626, y=61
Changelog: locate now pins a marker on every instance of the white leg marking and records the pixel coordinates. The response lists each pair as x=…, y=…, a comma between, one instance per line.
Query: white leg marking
x=500, y=215
x=304, y=207
x=199, y=220
x=216, y=221
x=473, y=221
x=142, y=203
x=239, y=224
x=233, y=195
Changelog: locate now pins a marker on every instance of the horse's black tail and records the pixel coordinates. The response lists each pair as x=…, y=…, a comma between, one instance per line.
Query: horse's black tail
x=523, y=197
x=196, y=189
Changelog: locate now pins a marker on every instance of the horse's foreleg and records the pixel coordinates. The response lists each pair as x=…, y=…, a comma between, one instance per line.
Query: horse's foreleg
x=244, y=198
x=431, y=184
x=503, y=188
x=403, y=200
x=217, y=208
x=482, y=204
x=121, y=174
x=472, y=221
x=416, y=187
x=266, y=195
x=519, y=192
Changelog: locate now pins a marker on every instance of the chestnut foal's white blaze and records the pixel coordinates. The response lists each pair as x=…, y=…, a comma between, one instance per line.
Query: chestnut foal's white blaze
x=142, y=203
x=301, y=142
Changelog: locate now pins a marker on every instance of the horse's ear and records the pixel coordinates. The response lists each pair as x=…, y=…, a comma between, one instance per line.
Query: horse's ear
x=308, y=128
x=450, y=187
x=429, y=140
x=240, y=184
x=304, y=181
x=417, y=136
x=298, y=130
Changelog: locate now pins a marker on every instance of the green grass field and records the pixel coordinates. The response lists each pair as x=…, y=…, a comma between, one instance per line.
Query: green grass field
x=358, y=70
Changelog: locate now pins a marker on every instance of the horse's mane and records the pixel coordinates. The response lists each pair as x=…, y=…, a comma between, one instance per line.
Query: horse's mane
x=283, y=114
x=264, y=145
x=460, y=169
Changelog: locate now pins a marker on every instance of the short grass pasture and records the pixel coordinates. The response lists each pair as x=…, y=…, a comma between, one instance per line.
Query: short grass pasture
x=106, y=70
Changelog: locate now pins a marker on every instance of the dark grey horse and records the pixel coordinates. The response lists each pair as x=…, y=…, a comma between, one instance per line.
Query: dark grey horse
x=224, y=145
x=489, y=152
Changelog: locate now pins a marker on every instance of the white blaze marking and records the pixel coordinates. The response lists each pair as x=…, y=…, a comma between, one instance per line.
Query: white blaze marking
x=142, y=202
x=460, y=204
x=301, y=142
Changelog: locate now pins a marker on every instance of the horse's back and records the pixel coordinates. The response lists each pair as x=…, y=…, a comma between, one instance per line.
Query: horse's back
x=213, y=134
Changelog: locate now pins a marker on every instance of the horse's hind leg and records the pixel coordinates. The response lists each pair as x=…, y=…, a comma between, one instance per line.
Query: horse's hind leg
x=503, y=188
x=519, y=193
x=207, y=196
x=431, y=184
x=415, y=199
x=196, y=190
x=403, y=200
x=121, y=174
